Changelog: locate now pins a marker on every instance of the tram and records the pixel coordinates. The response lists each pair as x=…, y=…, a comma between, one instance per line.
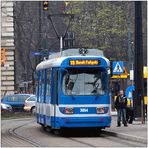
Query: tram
x=72, y=90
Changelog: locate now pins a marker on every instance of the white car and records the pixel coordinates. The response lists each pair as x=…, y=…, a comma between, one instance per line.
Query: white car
x=29, y=104
x=6, y=107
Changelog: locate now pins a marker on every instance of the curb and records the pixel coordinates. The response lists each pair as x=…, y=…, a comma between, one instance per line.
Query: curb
x=17, y=119
x=126, y=136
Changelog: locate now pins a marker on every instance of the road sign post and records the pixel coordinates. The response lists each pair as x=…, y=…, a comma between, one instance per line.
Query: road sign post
x=138, y=67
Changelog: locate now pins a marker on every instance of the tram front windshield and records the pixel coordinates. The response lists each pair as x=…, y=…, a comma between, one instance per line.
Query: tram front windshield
x=86, y=81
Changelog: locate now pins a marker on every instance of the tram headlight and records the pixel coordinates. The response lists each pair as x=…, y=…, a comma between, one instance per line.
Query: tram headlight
x=69, y=110
x=100, y=110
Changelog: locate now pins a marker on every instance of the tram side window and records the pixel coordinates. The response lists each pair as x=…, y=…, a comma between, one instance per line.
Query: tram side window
x=39, y=90
x=48, y=83
x=43, y=77
x=37, y=84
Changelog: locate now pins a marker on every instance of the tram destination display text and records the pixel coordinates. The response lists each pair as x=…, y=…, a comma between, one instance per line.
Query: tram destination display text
x=84, y=62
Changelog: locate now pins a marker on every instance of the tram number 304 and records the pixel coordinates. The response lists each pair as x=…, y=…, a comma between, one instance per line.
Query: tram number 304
x=83, y=109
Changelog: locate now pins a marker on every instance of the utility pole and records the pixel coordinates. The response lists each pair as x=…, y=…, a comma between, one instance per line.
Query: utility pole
x=44, y=24
x=130, y=54
x=138, y=67
x=40, y=29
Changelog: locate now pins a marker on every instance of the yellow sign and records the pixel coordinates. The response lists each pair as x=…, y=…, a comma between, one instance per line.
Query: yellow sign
x=145, y=71
x=84, y=62
x=3, y=56
x=145, y=100
x=122, y=76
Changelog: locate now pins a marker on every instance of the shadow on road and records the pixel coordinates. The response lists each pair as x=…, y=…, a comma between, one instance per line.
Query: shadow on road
x=73, y=132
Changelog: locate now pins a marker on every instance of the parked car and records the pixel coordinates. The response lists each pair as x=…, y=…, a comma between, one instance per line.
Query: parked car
x=16, y=101
x=6, y=108
x=29, y=104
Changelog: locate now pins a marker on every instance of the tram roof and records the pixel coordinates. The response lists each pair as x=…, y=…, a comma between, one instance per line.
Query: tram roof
x=56, y=59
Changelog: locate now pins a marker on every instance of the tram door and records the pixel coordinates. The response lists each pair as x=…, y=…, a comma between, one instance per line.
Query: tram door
x=55, y=94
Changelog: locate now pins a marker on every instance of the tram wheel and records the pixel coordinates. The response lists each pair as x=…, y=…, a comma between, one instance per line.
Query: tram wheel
x=57, y=132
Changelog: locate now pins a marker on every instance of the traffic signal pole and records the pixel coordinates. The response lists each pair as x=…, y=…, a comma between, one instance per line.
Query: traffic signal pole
x=138, y=67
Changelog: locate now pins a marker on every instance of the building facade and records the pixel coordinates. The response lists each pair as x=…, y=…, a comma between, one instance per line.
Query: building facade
x=7, y=42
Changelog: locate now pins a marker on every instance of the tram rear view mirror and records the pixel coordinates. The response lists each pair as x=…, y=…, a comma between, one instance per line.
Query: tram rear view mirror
x=70, y=85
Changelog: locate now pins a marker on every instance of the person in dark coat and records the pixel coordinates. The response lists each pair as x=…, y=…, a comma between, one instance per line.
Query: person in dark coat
x=120, y=105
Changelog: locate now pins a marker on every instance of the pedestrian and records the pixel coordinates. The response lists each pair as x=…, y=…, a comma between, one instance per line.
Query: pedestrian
x=120, y=105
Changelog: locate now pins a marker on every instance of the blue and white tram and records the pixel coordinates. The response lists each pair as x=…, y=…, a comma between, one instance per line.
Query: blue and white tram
x=72, y=90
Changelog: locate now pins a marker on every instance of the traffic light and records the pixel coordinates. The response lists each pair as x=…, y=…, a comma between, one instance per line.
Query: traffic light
x=66, y=3
x=45, y=5
x=3, y=56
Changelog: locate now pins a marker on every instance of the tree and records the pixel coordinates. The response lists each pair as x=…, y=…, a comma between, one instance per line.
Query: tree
x=101, y=25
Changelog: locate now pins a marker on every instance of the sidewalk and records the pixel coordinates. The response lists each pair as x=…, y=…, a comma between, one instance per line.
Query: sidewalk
x=136, y=131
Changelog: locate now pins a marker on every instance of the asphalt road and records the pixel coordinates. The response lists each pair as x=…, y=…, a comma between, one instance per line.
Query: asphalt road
x=27, y=133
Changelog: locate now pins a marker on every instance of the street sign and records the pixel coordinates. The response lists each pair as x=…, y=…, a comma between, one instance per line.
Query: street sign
x=131, y=75
x=117, y=68
x=129, y=91
x=124, y=75
x=36, y=53
x=145, y=71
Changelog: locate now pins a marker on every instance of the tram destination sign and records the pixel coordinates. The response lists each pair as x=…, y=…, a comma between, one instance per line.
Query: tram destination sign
x=84, y=62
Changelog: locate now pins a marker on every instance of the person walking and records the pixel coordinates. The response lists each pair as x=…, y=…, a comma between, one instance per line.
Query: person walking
x=120, y=105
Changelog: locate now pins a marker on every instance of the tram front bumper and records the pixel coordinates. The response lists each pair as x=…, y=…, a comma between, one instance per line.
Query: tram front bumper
x=71, y=122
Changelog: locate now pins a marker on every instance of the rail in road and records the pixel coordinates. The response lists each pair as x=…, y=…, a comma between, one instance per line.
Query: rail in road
x=25, y=132
x=13, y=139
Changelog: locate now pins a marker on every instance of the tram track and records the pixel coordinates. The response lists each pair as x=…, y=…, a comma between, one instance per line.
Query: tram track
x=14, y=137
x=85, y=143
x=12, y=132
x=108, y=137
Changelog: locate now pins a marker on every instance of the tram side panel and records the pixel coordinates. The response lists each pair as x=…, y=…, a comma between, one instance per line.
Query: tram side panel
x=54, y=96
x=47, y=97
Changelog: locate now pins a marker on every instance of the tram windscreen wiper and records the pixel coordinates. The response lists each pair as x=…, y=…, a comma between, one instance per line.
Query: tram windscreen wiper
x=70, y=85
x=96, y=87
